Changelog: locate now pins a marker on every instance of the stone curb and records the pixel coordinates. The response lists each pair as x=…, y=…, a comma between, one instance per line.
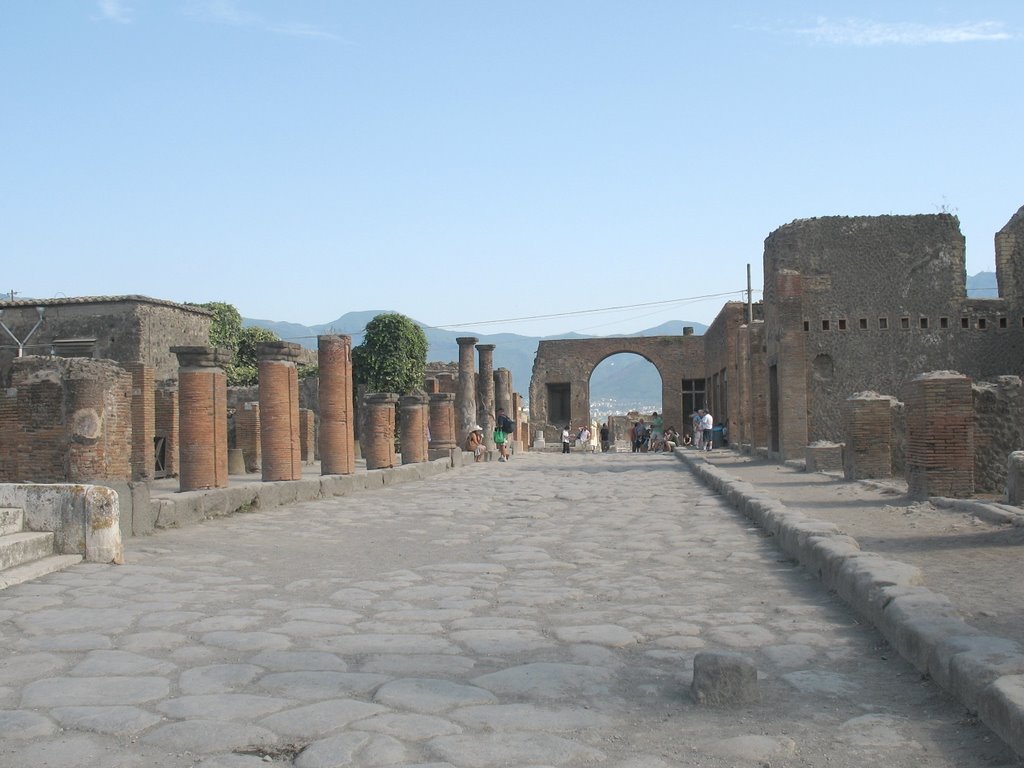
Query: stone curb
x=189, y=507
x=985, y=673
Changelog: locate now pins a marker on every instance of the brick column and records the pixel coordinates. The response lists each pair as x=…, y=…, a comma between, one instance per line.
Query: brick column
x=202, y=417
x=166, y=426
x=485, y=393
x=143, y=420
x=465, y=393
x=442, y=421
x=940, y=435
x=307, y=435
x=868, y=452
x=413, y=424
x=279, y=410
x=378, y=442
x=247, y=435
x=337, y=420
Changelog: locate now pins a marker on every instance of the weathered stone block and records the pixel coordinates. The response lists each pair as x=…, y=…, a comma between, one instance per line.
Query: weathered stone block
x=723, y=678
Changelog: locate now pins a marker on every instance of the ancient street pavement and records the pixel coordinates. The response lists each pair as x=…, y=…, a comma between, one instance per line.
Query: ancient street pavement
x=540, y=612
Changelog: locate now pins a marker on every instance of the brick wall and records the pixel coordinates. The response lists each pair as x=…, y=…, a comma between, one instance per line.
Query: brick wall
x=998, y=430
x=247, y=435
x=868, y=451
x=940, y=435
x=165, y=408
x=143, y=420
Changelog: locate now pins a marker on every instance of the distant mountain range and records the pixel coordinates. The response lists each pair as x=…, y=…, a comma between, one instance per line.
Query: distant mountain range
x=632, y=379
x=619, y=383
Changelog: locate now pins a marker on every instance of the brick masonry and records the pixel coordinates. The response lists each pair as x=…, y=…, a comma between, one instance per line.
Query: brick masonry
x=998, y=430
x=378, y=441
x=868, y=450
x=337, y=416
x=940, y=435
x=165, y=418
x=202, y=417
x=414, y=420
x=307, y=435
x=247, y=435
x=143, y=421
x=66, y=420
x=279, y=411
x=442, y=421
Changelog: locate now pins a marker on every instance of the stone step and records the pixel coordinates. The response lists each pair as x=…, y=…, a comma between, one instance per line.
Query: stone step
x=18, y=548
x=11, y=520
x=37, y=568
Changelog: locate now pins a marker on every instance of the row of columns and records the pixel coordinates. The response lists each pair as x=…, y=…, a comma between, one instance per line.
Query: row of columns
x=427, y=421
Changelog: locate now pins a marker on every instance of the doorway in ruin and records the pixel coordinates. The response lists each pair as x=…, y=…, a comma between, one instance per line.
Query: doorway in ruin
x=622, y=384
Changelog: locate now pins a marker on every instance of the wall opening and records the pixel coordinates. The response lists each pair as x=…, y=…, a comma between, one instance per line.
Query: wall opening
x=559, y=403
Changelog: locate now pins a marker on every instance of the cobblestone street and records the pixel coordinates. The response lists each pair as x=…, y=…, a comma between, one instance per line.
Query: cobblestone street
x=540, y=612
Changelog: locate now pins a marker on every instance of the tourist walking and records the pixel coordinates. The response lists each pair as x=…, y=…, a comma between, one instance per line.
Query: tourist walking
x=504, y=428
x=707, y=424
x=604, y=438
x=698, y=429
x=566, y=439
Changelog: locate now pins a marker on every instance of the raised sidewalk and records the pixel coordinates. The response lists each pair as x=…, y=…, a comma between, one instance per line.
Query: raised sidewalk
x=949, y=604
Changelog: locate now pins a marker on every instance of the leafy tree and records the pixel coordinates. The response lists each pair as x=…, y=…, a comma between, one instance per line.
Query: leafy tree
x=226, y=326
x=244, y=369
x=392, y=356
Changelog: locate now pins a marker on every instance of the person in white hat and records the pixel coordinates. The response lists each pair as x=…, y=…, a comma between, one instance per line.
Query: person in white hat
x=475, y=442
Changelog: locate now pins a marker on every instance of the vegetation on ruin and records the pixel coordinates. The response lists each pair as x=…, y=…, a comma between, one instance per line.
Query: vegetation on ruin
x=392, y=357
x=226, y=331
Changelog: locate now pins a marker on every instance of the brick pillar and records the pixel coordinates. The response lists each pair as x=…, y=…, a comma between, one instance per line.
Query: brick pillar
x=465, y=393
x=758, y=385
x=868, y=453
x=307, y=435
x=378, y=442
x=503, y=391
x=485, y=393
x=522, y=439
x=166, y=426
x=442, y=421
x=143, y=420
x=413, y=423
x=202, y=417
x=279, y=410
x=337, y=420
x=247, y=435
x=431, y=385
x=446, y=382
x=940, y=435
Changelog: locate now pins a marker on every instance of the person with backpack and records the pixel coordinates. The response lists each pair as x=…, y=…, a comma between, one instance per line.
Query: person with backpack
x=504, y=428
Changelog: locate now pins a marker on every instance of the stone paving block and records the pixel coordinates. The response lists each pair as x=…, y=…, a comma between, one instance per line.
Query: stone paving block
x=1001, y=707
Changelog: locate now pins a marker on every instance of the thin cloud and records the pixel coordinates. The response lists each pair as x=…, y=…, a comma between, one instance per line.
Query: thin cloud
x=115, y=10
x=863, y=33
x=228, y=12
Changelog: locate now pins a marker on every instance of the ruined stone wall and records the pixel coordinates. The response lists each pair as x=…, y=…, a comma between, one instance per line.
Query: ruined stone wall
x=998, y=430
x=726, y=398
x=127, y=329
x=572, y=361
x=66, y=420
x=880, y=299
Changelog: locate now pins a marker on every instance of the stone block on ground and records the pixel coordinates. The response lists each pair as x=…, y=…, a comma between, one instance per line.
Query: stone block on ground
x=723, y=678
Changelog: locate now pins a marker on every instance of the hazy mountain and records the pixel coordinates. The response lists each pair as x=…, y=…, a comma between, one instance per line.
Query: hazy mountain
x=634, y=377
x=982, y=286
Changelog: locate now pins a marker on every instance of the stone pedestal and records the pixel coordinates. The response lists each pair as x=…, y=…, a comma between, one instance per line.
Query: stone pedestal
x=940, y=435
x=868, y=417
x=378, y=442
x=413, y=422
x=337, y=420
x=279, y=410
x=143, y=421
x=485, y=393
x=465, y=393
x=442, y=421
x=236, y=461
x=202, y=417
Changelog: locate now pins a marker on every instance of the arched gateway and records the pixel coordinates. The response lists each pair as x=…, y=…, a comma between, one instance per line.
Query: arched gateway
x=560, y=387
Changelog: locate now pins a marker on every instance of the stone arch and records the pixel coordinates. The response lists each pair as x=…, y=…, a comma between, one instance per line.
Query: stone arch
x=560, y=386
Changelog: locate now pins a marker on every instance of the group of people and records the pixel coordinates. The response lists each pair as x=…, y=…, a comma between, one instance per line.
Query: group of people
x=504, y=429
x=644, y=437
x=703, y=430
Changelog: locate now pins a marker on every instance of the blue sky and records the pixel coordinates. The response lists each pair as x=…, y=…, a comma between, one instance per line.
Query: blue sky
x=464, y=162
